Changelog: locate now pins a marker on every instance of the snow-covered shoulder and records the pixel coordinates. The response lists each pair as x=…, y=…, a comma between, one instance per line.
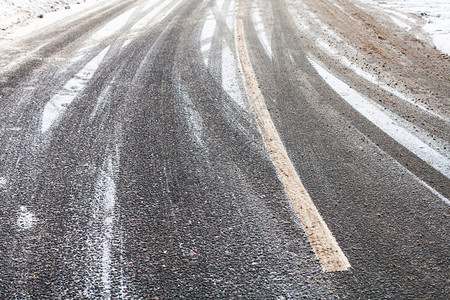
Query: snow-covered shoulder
x=15, y=15
x=435, y=13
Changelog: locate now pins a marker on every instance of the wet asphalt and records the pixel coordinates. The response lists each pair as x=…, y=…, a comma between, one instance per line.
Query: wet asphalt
x=154, y=182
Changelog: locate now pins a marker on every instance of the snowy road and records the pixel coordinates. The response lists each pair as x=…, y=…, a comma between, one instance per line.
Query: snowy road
x=166, y=149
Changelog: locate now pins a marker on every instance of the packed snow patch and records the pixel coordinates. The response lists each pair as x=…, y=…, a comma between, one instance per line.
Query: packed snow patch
x=25, y=218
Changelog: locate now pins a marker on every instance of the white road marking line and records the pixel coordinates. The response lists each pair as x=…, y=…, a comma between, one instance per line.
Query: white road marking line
x=325, y=246
x=378, y=117
x=59, y=102
x=108, y=188
x=25, y=218
x=205, y=47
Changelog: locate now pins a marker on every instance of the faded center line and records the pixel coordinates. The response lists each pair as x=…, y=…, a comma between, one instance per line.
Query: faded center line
x=325, y=246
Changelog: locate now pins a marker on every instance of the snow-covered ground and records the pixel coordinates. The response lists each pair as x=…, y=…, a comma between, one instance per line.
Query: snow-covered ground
x=17, y=12
x=435, y=13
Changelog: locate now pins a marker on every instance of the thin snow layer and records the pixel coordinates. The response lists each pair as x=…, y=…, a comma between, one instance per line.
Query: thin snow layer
x=206, y=36
x=150, y=16
x=113, y=26
x=261, y=30
x=59, y=103
x=373, y=78
x=382, y=120
x=103, y=228
x=229, y=77
x=436, y=13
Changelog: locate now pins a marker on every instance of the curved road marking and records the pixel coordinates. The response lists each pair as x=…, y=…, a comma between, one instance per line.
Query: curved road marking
x=325, y=246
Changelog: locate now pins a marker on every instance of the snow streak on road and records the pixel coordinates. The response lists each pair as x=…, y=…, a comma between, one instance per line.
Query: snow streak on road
x=166, y=149
x=58, y=104
x=375, y=114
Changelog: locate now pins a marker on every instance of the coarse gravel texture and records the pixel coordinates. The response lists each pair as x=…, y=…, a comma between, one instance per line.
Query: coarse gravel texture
x=154, y=181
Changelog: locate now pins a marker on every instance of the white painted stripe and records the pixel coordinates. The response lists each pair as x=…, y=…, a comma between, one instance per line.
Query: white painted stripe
x=59, y=102
x=324, y=245
x=375, y=114
x=206, y=46
x=208, y=27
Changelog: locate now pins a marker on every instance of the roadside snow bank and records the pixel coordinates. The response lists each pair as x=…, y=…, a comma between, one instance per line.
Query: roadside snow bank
x=436, y=14
x=13, y=12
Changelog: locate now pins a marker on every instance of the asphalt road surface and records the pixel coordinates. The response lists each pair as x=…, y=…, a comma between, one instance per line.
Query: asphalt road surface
x=134, y=163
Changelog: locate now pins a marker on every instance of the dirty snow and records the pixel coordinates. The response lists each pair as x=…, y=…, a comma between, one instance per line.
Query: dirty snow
x=434, y=13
